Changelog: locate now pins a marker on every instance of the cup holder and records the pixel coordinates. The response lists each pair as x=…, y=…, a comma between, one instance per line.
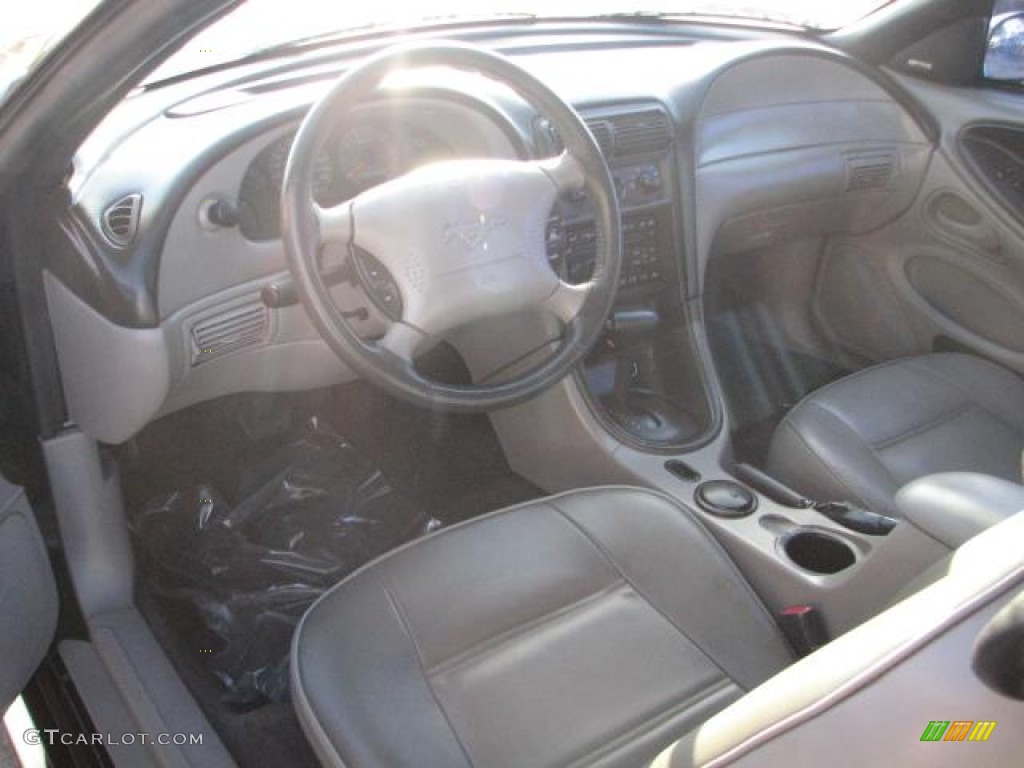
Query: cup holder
x=818, y=552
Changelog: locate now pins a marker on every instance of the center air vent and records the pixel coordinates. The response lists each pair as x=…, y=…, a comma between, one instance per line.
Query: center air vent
x=865, y=172
x=120, y=220
x=228, y=331
x=617, y=135
x=602, y=133
x=640, y=133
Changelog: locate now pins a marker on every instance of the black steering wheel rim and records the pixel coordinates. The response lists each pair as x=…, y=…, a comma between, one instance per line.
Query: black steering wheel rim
x=303, y=240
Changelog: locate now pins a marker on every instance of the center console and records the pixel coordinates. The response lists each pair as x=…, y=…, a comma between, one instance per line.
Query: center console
x=643, y=377
x=793, y=555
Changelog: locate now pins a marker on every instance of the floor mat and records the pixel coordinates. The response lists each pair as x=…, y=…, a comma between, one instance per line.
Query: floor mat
x=247, y=509
x=308, y=515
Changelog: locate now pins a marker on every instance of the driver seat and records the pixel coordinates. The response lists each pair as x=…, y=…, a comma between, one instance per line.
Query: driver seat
x=593, y=628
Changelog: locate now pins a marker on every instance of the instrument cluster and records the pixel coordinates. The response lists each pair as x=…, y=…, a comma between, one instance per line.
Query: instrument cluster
x=359, y=156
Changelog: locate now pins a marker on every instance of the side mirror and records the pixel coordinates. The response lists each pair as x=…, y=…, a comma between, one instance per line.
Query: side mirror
x=1004, y=59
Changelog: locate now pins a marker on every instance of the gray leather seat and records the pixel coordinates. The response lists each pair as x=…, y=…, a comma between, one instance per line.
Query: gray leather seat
x=595, y=627
x=591, y=628
x=861, y=438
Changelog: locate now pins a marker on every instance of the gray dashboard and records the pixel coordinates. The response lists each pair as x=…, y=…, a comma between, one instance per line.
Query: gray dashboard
x=800, y=145
x=199, y=259
x=745, y=162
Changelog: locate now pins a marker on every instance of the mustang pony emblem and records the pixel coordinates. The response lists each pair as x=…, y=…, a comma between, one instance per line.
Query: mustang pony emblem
x=473, y=234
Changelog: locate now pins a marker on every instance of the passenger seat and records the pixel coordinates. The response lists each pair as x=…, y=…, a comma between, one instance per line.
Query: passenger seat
x=862, y=438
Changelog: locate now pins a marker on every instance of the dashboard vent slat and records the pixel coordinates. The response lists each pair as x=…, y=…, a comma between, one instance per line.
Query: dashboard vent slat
x=216, y=336
x=120, y=220
x=641, y=132
x=869, y=172
x=602, y=133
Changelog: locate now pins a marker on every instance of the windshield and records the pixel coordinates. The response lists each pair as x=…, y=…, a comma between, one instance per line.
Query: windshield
x=31, y=29
x=260, y=24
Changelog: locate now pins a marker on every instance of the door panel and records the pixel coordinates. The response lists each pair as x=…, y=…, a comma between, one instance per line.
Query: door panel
x=949, y=274
x=28, y=595
x=971, y=303
x=995, y=153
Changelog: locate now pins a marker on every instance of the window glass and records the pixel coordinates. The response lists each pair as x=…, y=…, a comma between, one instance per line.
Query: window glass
x=1004, y=58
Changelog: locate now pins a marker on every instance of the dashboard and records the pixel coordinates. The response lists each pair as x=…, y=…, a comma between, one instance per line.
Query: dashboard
x=172, y=246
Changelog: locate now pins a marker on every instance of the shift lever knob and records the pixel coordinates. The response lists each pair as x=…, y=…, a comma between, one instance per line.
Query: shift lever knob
x=633, y=322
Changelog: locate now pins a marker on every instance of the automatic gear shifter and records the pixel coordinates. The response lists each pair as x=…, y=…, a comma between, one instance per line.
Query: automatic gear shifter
x=634, y=404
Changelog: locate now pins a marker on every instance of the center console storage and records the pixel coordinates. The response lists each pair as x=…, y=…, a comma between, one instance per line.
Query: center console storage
x=818, y=551
x=794, y=556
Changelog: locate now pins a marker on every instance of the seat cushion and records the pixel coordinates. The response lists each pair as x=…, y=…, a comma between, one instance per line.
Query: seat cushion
x=590, y=628
x=860, y=439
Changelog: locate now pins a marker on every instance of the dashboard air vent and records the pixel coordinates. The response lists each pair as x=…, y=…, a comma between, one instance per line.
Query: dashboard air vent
x=641, y=132
x=865, y=172
x=228, y=331
x=120, y=220
x=602, y=133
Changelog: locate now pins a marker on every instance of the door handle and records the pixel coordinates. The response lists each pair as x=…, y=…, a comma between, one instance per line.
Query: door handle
x=961, y=221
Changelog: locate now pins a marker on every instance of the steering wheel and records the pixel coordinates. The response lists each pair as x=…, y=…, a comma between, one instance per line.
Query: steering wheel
x=462, y=239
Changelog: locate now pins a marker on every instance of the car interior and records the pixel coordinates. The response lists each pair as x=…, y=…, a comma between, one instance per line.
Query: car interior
x=620, y=390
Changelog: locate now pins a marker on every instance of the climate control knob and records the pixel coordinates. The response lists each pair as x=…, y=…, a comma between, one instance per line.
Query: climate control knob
x=649, y=180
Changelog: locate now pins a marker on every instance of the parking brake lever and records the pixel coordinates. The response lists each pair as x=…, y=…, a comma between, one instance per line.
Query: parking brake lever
x=854, y=518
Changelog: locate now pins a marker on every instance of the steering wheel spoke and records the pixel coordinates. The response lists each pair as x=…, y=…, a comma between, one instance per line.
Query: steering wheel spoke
x=335, y=223
x=566, y=301
x=565, y=171
x=403, y=341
